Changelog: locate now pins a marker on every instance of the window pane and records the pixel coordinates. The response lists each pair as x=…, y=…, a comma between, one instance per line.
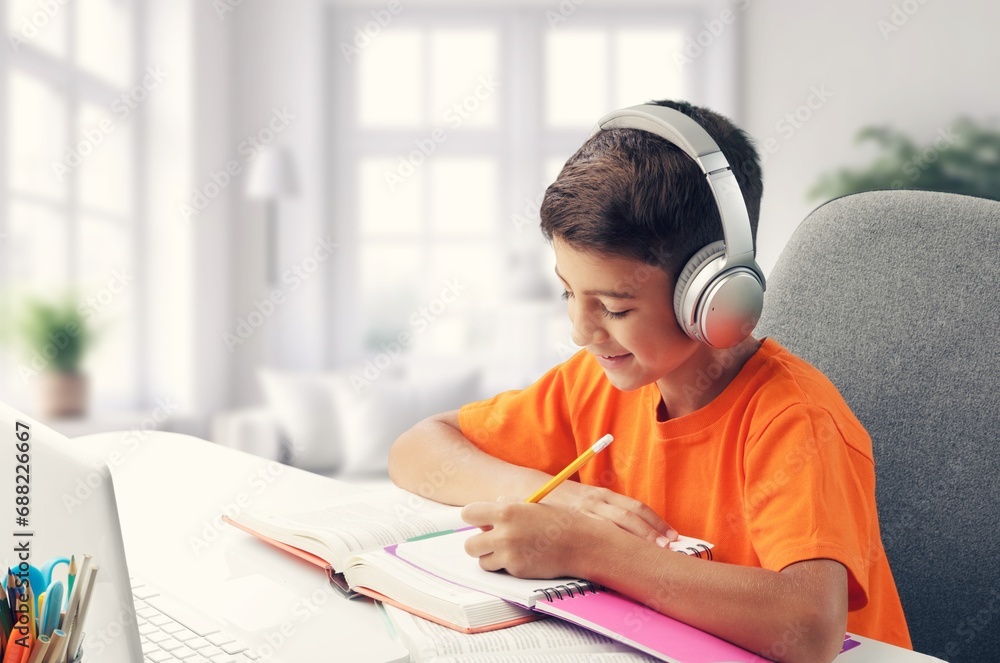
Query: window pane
x=30, y=25
x=106, y=181
x=470, y=272
x=109, y=300
x=464, y=281
x=464, y=196
x=390, y=291
x=465, y=78
x=390, y=81
x=576, y=77
x=104, y=255
x=104, y=39
x=393, y=207
x=645, y=69
x=37, y=246
x=40, y=159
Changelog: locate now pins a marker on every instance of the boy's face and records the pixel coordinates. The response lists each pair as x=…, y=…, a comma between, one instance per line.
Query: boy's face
x=622, y=312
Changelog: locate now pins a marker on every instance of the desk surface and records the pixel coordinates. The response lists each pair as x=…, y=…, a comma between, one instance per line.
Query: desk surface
x=171, y=491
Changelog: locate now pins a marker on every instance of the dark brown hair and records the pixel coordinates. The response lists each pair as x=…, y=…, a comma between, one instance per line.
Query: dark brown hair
x=632, y=193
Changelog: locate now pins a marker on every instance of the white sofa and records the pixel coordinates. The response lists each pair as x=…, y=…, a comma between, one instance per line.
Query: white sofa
x=342, y=423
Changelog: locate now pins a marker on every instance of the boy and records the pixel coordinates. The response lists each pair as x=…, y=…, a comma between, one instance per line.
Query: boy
x=747, y=447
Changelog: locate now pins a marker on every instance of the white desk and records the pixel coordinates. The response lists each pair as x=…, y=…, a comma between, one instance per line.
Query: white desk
x=171, y=490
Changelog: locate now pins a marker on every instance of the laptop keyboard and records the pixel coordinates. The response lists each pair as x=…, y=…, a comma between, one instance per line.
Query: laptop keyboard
x=173, y=631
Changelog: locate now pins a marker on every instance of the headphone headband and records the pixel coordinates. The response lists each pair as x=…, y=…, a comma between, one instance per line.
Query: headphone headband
x=694, y=141
x=719, y=294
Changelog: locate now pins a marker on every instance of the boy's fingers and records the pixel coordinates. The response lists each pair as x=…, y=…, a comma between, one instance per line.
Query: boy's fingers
x=636, y=518
x=479, y=514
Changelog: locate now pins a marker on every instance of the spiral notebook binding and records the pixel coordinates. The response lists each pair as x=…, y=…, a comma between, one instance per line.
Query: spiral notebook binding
x=695, y=552
x=579, y=586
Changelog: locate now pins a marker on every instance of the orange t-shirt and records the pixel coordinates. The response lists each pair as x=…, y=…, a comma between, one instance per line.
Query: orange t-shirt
x=775, y=470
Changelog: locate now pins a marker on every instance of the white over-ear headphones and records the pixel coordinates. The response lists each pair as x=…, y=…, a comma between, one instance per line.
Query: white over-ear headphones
x=720, y=292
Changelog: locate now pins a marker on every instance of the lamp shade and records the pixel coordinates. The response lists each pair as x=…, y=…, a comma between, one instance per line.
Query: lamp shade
x=272, y=175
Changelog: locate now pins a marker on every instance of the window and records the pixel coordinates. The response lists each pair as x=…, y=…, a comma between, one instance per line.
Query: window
x=447, y=126
x=68, y=213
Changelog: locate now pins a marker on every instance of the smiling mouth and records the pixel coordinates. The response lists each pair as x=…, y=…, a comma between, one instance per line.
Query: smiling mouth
x=614, y=356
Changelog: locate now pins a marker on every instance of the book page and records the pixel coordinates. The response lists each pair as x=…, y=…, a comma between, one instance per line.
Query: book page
x=445, y=557
x=544, y=640
x=355, y=523
x=400, y=581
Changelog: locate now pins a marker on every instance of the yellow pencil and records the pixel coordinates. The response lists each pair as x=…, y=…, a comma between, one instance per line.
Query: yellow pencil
x=571, y=468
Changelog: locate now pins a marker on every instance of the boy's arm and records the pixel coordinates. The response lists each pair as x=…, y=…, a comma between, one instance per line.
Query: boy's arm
x=796, y=614
x=435, y=460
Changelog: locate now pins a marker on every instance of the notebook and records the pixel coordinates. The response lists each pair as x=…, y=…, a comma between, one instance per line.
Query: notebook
x=579, y=602
x=73, y=509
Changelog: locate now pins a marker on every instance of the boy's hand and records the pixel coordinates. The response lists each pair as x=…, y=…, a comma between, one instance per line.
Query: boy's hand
x=534, y=540
x=627, y=513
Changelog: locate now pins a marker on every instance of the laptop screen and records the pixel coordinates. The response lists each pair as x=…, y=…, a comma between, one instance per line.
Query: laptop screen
x=70, y=510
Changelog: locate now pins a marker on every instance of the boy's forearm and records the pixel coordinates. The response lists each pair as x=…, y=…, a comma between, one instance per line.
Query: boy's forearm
x=781, y=616
x=435, y=460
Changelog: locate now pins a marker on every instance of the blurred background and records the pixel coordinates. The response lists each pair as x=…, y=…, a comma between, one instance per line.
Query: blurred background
x=297, y=227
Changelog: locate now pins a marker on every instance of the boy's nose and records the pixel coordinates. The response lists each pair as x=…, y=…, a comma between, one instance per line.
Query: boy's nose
x=586, y=331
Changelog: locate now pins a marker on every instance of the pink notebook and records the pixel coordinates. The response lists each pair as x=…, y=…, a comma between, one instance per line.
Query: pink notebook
x=579, y=602
x=620, y=618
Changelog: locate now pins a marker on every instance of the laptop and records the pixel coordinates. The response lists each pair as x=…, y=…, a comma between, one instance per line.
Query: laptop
x=72, y=511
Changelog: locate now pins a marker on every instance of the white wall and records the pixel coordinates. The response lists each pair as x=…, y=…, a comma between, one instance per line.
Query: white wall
x=940, y=64
x=936, y=66
x=278, y=65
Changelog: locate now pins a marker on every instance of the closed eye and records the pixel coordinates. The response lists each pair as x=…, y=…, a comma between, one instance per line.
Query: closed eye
x=613, y=315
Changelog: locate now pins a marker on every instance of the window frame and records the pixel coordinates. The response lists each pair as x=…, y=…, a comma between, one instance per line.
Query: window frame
x=79, y=87
x=523, y=144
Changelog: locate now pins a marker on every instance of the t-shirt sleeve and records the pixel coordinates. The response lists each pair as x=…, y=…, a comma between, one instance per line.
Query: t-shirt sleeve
x=530, y=427
x=808, y=496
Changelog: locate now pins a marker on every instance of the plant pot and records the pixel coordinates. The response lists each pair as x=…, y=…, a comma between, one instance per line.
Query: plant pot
x=62, y=395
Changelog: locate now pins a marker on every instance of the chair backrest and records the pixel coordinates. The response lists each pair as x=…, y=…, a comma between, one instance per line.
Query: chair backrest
x=895, y=296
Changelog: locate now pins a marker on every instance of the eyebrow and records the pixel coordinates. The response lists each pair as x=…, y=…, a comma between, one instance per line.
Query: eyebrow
x=611, y=294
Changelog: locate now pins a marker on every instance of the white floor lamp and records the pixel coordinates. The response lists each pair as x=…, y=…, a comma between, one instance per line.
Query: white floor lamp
x=272, y=176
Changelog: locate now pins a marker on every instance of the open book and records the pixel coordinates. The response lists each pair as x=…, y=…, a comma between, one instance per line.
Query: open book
x=350, y=534
x=354, y=540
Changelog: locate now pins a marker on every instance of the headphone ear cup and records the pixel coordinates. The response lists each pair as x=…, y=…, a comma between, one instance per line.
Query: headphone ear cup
x=685, y=301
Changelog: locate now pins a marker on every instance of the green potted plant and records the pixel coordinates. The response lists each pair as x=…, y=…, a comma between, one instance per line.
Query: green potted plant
x=963, y=157
x=54, y=335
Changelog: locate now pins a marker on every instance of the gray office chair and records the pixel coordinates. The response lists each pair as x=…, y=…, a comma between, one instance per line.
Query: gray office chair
x=895, y=296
